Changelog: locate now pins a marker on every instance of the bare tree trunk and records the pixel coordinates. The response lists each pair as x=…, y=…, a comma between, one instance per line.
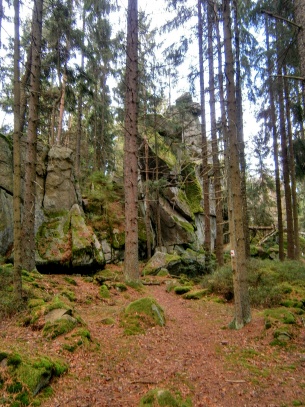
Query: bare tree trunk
x=1, y=18
x=300, y=20
x=147, y=195
x=205, y=165
x=240, y=127
x=285, y=165
x=30, y=165
x=131, y=263
x=17, y=160
x=215, y=152
x=291, y=165
x=236, y=217
x=221, y=93
x=275, y=152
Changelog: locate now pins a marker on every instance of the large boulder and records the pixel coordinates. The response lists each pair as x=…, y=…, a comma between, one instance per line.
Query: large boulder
x=62, y=235
x=6, y=195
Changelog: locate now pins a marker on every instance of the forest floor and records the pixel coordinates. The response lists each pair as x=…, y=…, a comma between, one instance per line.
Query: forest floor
x=194, y=354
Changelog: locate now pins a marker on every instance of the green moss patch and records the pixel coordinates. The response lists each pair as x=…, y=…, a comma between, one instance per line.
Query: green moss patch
x=182, y=289
x=140, y=315
x=196, y=294
x=52, y=330
x=163, y=398
x=23, y=381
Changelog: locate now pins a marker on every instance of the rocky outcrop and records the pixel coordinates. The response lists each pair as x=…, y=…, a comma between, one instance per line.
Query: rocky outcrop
x=179, y=183
x=6, y=195
x=63, y=238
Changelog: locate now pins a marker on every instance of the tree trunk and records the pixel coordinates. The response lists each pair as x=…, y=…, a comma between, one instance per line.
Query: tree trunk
x=240, y=128
x=221, y=98
x=79, y=132
x=291, y=164
x=17, y=161
x=131, y=264
x=300, y=20
x=285, y=164
x=205, y=165
x=275, y=152
x=147, y=195
x=236, y=217
x=30, y=165
x=215, y=152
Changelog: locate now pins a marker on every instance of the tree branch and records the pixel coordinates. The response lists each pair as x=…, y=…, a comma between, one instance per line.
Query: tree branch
x=271, y=14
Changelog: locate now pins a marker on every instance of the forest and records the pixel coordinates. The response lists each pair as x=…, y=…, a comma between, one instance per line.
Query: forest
x=152, y=172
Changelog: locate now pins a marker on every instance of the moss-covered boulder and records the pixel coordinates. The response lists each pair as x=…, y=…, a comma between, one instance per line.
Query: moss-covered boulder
x=65, y=239
x=140, y=315
x=163, y=398
x=22, y=377
x=190, y=263
x=160, y=260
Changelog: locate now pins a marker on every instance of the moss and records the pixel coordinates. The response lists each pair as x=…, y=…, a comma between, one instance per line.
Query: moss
x=120, y=287
x=108, y=321
x=163, y=150
x=163, y=398
x=182, y=289
x=188, y=227
x=196, y=294
x=163, y=273
x=104, y=292
x=36, y=302
x=118, y=240
x=140, y=315
x=56, y=303
x=70, y=280
x=14, y=360
x=57, y=328
x=69, y=294
x=280, y=314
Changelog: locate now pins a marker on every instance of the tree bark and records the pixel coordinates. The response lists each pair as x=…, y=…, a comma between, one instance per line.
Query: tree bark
x=131, y=264
x=275, y=151
x=291, y=164
x=30, y=165
x=17, y=160
x=215, y=151
x=240, y=128
x=300, y=20
x=236, y=217
x=205, y=165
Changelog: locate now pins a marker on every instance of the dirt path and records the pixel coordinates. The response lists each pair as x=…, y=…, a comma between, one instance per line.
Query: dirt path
x=193, y=354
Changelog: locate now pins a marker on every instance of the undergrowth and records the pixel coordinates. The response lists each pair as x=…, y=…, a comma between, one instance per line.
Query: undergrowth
x=271, y=283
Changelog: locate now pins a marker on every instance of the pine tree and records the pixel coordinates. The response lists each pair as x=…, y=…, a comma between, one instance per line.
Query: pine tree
x=30, y=164
x=236, y=217
x=131, y=265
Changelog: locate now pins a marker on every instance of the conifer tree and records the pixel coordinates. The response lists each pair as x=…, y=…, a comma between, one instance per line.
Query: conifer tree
x=131, y=265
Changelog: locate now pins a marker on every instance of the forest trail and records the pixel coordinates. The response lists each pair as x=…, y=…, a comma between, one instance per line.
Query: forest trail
x=194, y=354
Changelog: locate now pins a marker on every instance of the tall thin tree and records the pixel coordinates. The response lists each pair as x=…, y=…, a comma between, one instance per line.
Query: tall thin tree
x=236, y=217
x=131, y=264
x=205, y=165
x=30, y=164
x=17, y=159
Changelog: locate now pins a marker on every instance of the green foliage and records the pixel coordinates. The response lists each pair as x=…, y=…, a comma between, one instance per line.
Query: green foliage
x=270, y=282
